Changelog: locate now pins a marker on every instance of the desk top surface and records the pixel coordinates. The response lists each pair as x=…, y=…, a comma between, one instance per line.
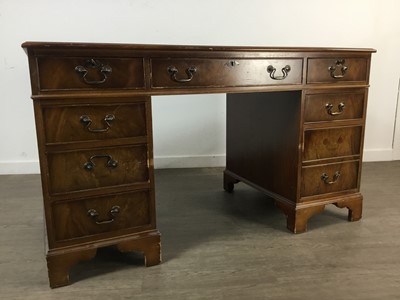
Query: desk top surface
x=154, y=47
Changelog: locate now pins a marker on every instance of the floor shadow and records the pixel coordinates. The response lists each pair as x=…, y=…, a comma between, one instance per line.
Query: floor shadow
x=107, y=260
x=193, y=209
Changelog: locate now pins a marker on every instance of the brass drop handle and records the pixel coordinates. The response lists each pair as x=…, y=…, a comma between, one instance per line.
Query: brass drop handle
x=86, y=121
x=111, y=163
x=95, y=215
x=172, y=70
x=285, y=71
x=339, y=65
x=329, y=108
x=104, y=70
x=325, y=178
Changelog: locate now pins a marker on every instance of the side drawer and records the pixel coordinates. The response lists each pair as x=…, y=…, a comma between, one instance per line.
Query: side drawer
x=89, y=169
x=83, y=218
x=173, y=73
x=72, y=123
x=330, y=70
x=83, y=73
x=329, y=178
x=332, y=142
x=334, y=106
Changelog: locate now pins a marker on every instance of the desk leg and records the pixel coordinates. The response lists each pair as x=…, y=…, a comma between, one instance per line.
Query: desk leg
x=229, y=182
x=60, y=261
x=297, y=218
x=150, y=246
x=354, y=205
x=59, y=264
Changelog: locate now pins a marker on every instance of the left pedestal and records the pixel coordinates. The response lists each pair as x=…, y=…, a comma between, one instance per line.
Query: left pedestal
x=98, y=179
x=96, y=155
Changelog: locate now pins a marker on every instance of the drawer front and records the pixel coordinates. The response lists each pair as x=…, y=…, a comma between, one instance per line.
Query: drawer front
x=175, y=73
x=329, y=107
x=94, y=122
x=321, y=70
x=329, y=178
x=113, y=213
x=333, y=142
x=90, y=169
x=82, y=73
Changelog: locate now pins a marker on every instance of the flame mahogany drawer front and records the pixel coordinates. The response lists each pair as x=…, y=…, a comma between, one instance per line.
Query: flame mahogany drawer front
x=86, y=122
x=330, y=178
x=334, y=106
x=332, y=142
x=83, y=218
x=83, y=73
x=94, y=168
x=331, y=70
x=173, y=73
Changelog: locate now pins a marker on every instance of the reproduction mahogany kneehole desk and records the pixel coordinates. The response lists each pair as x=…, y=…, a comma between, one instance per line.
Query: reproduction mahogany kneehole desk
x=295, y=127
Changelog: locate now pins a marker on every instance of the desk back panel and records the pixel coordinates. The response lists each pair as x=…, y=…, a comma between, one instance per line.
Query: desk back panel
x=263, y=137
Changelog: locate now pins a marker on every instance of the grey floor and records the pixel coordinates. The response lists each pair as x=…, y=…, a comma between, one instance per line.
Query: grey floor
x=218, y=245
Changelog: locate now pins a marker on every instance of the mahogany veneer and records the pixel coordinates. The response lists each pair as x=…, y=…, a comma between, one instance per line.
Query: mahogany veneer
x=295, y=127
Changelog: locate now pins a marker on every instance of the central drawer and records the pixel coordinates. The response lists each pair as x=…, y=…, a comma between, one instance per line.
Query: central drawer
x=82, y=218
x=89, y=169
x=173, y=73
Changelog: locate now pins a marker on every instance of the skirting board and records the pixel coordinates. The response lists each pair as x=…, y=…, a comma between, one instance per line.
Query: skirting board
x=378, y=155
x=19, y=167
x=167, y=162
x=204, y=161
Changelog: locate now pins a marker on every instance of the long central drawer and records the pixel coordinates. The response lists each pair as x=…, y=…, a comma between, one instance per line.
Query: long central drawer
x=173, y=73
